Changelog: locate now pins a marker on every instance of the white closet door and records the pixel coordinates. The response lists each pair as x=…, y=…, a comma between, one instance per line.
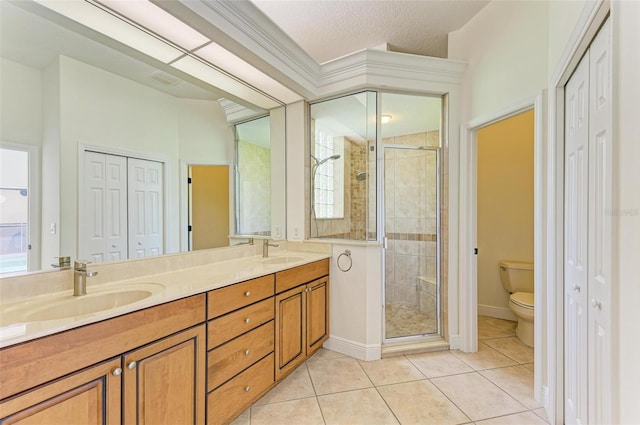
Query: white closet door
x=145, y=208
x=103, y=208
x=576, y=222
x=600, y=218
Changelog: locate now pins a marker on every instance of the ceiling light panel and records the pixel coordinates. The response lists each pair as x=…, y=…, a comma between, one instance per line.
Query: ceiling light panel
x=208, y=74
x=103, y=22
x=150, y=16
x=226, y=60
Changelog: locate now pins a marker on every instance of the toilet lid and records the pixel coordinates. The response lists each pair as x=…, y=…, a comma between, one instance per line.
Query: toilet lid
x=523, y=299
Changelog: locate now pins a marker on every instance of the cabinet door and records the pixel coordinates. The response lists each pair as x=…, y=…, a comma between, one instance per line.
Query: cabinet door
x=290, y=330
x=164, y=381
x=91, y=396
x=317, y=294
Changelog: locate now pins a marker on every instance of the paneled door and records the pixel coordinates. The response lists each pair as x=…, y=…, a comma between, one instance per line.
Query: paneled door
x=145, y=194
x=600, y=226
x=588, y=224
x=575, y=268
x=103, y=208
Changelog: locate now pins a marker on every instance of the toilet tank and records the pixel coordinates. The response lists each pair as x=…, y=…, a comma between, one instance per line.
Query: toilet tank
x=516, y=276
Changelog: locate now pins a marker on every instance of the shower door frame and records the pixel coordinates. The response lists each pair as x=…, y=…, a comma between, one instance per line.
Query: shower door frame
x=420, y=337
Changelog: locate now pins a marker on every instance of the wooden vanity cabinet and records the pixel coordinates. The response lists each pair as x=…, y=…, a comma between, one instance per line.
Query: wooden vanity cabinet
x=154, y=374
x=302, y=314
x=240, y=363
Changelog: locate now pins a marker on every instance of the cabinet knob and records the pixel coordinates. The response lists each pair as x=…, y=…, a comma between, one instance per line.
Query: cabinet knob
x=117, y=371
x=248, y=293
x=247, y=389
x=131, y=365
x=247, y=352
x=247, y=320
x=596, y=304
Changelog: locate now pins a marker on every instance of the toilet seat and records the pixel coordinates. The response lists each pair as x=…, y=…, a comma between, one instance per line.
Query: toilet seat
x=522, y=299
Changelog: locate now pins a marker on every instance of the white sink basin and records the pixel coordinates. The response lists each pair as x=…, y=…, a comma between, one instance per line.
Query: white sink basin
x=277, y=261
x=65, y=305
x=88, y=304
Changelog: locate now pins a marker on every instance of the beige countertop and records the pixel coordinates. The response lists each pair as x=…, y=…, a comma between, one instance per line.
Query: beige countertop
x=22, y=319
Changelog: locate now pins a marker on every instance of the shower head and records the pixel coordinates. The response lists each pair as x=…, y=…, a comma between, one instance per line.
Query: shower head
x=319, y=162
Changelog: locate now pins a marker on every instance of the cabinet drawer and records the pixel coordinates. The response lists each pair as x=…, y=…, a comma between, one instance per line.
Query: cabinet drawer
x=227, y=360
x=236, y=395
x=229, y=326
x=236, y=296
x=291, y=278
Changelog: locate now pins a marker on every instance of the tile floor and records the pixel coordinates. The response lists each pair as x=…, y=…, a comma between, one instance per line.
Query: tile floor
x=491, y=387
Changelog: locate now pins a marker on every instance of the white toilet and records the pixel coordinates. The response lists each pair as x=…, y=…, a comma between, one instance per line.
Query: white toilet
x=517, y=279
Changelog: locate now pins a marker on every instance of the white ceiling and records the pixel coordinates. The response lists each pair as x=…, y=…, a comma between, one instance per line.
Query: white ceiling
x=329, y=29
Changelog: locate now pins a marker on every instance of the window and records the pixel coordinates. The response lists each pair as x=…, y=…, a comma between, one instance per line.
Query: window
x=328, y=200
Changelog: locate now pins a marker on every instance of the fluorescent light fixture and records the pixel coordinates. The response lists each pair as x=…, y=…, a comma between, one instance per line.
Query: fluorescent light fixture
x=99, y=20
x=154, y=18
x=385, y=119
x=224, y=59
x=216, y=78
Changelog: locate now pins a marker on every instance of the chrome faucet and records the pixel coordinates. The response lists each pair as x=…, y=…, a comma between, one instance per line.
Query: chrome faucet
x=265, y=247
x=80, y=275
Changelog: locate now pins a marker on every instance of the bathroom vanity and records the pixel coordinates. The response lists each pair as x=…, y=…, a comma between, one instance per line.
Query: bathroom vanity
x=201, y=358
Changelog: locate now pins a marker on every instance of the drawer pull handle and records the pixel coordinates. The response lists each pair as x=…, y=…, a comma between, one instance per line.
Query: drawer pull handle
x=117, y=372
x=247, y=320
x=247, y=352
x=247, y=389
x=131, y=365
x=248, y=293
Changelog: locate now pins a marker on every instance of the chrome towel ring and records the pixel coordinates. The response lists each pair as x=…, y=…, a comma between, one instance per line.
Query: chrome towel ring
x=347, y=260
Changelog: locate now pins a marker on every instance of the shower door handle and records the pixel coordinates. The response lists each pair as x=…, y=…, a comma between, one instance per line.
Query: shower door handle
x=384, y=242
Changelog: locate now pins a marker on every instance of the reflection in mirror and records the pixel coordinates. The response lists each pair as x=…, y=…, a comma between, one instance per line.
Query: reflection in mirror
x=91, y=109
x=253, y=177
x=343, y=168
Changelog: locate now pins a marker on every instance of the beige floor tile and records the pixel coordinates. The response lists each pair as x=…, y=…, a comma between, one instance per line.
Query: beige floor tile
x=517, y=381
x=542, y=413
x=485, y=358
x=360, y=407
x=295, y=386
x=420, y=402
x=512, y=348
x=305, y=411
x=324, y=354
x=392, y=370
x=529, y=366
x=524, y=418
x=336, y=375
x=486, y=330
x=476, y=396
x=243, y=419
x=441, y=363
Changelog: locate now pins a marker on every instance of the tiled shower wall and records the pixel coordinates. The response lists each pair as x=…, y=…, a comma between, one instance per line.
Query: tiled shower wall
x=410, y=216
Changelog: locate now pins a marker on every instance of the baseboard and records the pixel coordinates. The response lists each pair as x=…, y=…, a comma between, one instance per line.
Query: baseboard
x=354, y=349
x=454, y=342
x=497, y=312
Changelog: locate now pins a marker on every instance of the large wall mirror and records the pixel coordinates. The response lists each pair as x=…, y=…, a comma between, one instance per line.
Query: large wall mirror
x=100, y=146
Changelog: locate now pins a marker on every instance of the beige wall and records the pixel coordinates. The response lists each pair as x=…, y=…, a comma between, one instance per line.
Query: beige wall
x=505, y=205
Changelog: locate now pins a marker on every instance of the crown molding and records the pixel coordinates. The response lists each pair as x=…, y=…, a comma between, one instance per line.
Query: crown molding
x=383, y=69
x=266, y=45
x=236, y=112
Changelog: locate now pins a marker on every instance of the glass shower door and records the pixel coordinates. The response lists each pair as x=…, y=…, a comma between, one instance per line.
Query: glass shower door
x=412, y=222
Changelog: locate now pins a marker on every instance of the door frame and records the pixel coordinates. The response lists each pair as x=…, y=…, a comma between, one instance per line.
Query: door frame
x=593, y=15
x=184, y=197
x=468, y=225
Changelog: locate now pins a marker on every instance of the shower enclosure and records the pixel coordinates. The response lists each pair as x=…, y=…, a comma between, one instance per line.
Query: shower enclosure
x=411, y=216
